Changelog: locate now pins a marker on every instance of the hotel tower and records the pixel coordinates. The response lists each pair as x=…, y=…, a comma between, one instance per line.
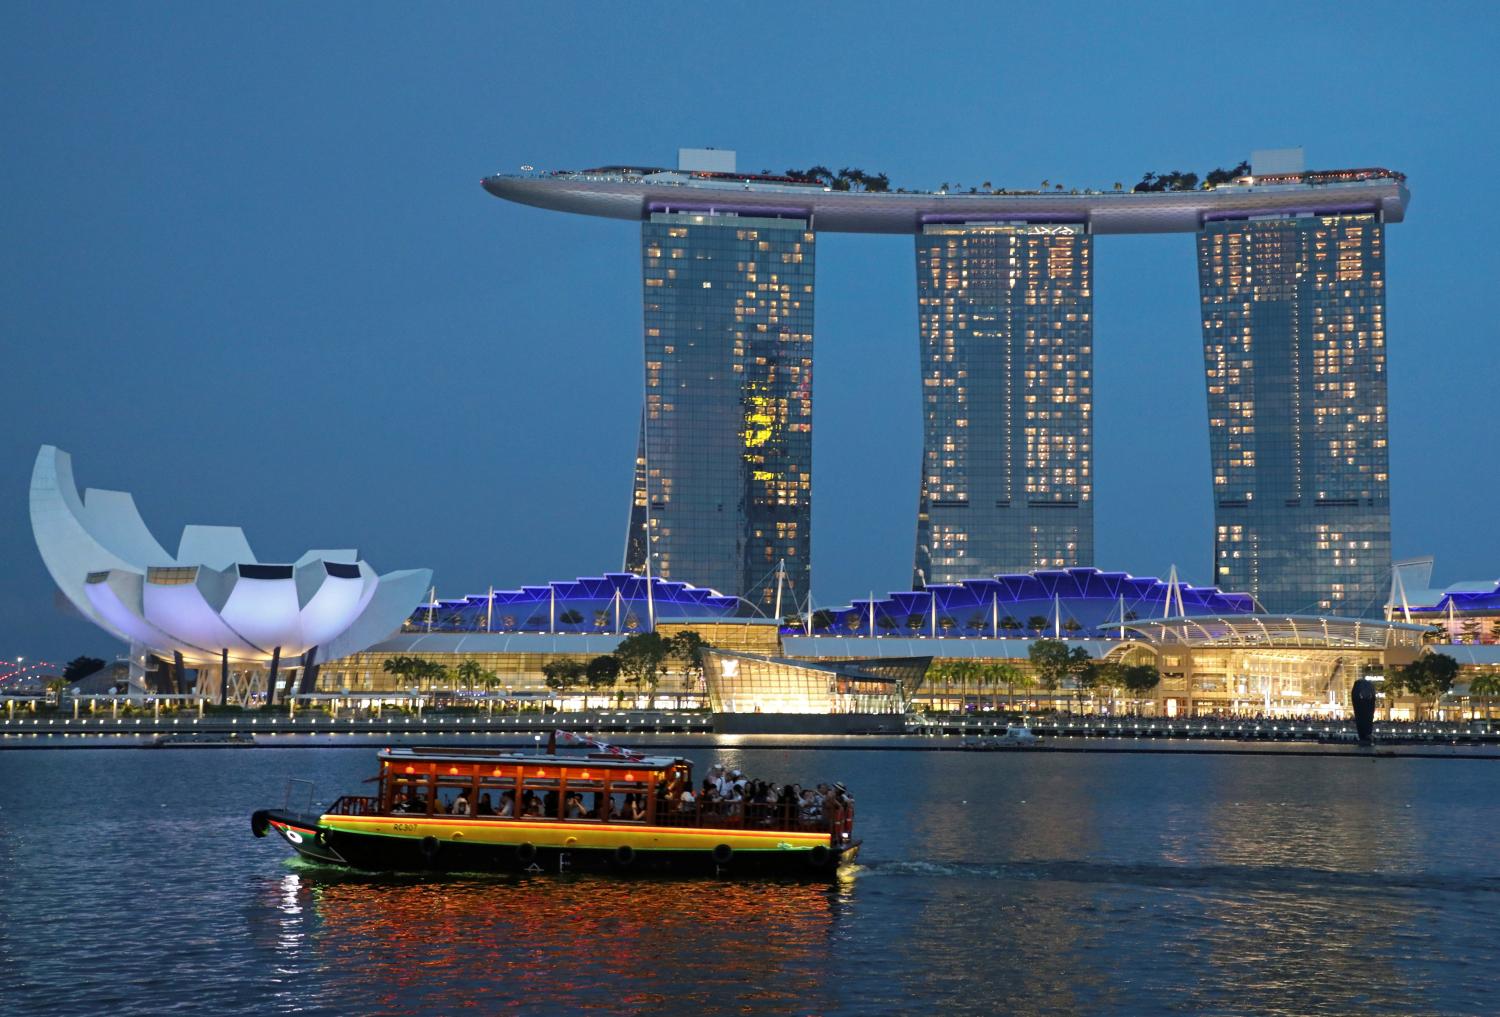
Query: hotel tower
x=1292, y=285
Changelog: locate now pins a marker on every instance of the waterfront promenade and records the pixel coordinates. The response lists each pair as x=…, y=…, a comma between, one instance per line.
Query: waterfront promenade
x=934, y=731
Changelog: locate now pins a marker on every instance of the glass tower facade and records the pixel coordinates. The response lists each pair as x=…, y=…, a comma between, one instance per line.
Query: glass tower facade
x=1295, y=358
x=1005, y=313
x=724, y=465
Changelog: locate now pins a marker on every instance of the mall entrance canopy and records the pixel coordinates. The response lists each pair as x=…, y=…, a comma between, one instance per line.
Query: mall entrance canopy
x=1311, y=632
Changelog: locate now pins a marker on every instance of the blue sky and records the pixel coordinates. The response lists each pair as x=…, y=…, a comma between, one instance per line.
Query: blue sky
x=247, y=270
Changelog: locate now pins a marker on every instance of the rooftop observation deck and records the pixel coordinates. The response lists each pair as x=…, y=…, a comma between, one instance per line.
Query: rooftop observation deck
x=617, y=193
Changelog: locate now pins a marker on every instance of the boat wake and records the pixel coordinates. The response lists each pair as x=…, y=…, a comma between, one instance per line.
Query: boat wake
x=1206, y=877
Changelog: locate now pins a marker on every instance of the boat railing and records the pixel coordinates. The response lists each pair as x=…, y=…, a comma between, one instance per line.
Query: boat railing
x=752, y=815
x=355, y=805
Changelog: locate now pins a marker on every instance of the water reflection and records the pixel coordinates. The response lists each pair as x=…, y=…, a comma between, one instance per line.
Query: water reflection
x=570, y=944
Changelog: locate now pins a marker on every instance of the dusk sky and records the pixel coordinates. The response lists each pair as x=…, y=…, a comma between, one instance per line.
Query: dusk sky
x=249, y=273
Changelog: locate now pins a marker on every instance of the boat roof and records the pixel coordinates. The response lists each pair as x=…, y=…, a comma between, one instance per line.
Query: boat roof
x=594, y=759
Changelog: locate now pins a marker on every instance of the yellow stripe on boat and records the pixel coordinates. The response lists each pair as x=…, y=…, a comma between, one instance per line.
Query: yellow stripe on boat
x=574, y=834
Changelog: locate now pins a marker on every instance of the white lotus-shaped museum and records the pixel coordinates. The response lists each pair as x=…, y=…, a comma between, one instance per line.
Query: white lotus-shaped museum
x=212, y=597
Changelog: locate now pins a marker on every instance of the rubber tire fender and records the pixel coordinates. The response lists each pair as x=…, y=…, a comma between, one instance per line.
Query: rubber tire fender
x=526, y=852
x=260, y=822
x=819, y=856
x=431, y=847
x=624, y=856
x=722, y=854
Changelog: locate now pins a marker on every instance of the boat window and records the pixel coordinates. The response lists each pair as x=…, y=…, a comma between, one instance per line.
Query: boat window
x=630, y=804
x=539, y=797
x=448, y=791
x=578, y=798
x=409, y=793
x=500, y=792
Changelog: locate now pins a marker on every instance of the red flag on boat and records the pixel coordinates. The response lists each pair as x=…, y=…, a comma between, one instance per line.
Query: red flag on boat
x=565, y=737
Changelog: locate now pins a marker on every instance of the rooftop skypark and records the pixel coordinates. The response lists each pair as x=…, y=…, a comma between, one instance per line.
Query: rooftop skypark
x=855, y=201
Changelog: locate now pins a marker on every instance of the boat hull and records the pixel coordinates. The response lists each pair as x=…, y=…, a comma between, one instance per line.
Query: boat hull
x=433, y=844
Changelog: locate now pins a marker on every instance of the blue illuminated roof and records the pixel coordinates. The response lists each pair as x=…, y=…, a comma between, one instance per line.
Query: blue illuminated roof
x=1088, y=601
x=612, y=603
x=1479, y=601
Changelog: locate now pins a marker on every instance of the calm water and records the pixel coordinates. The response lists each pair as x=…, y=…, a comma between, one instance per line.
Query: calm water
x=1034, y=884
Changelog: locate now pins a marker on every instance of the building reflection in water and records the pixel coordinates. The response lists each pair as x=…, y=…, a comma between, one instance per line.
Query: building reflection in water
x=562, y=945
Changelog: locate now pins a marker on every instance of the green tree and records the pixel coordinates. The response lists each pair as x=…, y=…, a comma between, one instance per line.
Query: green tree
x=563, y=675
x=81, y=667
x=602, y=672
x=1140, y=679
x=1430, y=675
x=641, y=658
x=1037, y=623
x=1439, y=674
x=687, y=647
x=1010, y=624
x=1072, y=626
x=570, y=617
x=1083, y=670
x=1050, y=660
x=1109, y=678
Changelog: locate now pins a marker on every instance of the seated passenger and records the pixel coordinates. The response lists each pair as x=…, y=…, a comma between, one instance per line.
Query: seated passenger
x=507, y=805
x=485, y=808
x=636, y=808
x=461, y=804
x=575, y=808
x=687, y=801
x=534, y=807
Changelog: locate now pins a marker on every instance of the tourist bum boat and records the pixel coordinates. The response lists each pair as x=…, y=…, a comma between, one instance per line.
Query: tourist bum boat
x=475, y=810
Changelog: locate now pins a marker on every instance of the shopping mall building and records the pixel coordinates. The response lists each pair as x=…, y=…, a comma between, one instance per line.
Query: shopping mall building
x=1217, y=653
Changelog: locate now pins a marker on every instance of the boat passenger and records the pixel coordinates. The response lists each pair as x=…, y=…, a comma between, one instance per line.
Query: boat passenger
x=575, y=808
x=534, y=807
x=811, y=806
x=635, y=810
x=461, y=804
x=688, y=801
x=507, y=804
x=485, y=808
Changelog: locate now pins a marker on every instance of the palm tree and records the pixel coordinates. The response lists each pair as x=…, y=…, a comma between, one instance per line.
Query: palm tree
x=472, y=675
x=1010, y=624
x=1007, y=674
x=1037, y=623
x=1484, y=686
